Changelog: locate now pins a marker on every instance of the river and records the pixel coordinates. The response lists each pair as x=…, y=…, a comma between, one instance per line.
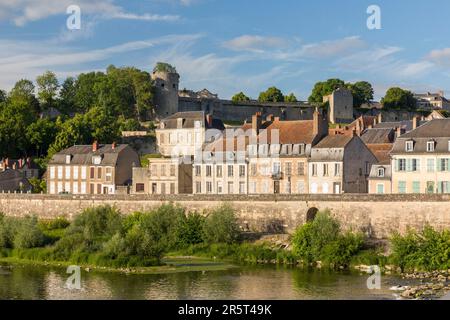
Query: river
x=241, y=282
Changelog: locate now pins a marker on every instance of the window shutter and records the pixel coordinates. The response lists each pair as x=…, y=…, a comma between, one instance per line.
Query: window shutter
x=408, y=165
x=397, y=165
x=418, y=165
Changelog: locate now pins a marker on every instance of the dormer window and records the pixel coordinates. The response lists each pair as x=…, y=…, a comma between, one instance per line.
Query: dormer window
x=409, y=146
x=197, y=124
x=97, y=160
x=381, y=172
x=68, y=159
x=431, y=146
x=449, y=146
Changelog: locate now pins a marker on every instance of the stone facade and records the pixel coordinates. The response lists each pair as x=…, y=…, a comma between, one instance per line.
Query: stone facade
x=376, y=215
x=340, y=106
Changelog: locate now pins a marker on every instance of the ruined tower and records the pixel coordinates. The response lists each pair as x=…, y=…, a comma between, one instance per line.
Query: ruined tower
x=166, y=81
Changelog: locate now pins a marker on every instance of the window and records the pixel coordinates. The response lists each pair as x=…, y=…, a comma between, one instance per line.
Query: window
x=444, y=165
x=430, y=187
x=288, y=169
x=430, y=146
x=252, y=187
x=314, y=188
x=99, y=173
x=60, y=172
x=140, y=187
x=198, y=171
x=96, y=160
x=208, y=171
x=380, y=188
x=163, y=170
x=300, y=168
x=276, y=168
x=337, y=169
x=230, y=188
x=83, y=188
x=401, y=165
x=162, y=138
x=172, y=188
x=99, y=189
x=381, y=172
x=154, y=170
x=265, y=187
x=301, y=187
x=219, y=172
x=288, y=188
x=198, y=187
x=109, y=174
x=163, y=188
x=242, y=171
x=401, y=187
x=253, y=169
x=415, y=164
x=172, y=170
x=409, y=146
x=449, y=146
x=52, y=188
x=314, y=170
x=60, y=187
x=75, y=173
x=325, y=188
x=67, y=172
x=230, y=171
x=416, y=186
x=68, y=158
x=197, y=124
x=325, y=170
x=430, y=165
x=209, y=187
x=242, y=187
x=52, y=172
x=219, y=187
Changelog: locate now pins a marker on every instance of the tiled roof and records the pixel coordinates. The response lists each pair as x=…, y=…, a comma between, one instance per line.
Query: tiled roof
x=431, y=129
x=333, y=142
x=188, y=121
x=378, y=136
x=381, y=151
x=82, y=154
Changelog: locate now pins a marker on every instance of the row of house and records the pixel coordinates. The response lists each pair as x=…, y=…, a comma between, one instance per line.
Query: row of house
x=198, y=155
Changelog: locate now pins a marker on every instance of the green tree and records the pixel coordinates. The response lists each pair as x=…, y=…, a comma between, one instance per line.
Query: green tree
x=362, y=92
x=322, y=89
x=38, y=185
x=221, y=226
x=73, y=131
x=290, y=98
x=41, y=135
x=47, y=90
x=397, y=99
x=272, y=94
x=102, y=124
x=23, y=93
x=2, y=96
x=239, y=97
x=67, y=95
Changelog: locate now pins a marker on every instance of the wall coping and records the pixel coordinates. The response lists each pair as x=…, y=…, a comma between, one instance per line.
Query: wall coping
x=238, y=198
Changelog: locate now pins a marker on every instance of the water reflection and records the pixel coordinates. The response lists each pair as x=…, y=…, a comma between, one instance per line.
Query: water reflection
x=238, y=283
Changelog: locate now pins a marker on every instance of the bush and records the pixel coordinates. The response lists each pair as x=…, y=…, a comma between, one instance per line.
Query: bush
x=8, y=228
x=190, y=230
x=321, y=240
x=221, y=226
x=425, y=250
x=28, y=234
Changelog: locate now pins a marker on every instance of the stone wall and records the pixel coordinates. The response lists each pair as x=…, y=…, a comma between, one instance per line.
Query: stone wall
x=376, y=215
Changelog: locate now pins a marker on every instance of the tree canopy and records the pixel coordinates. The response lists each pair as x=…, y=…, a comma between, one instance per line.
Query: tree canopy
x=290, y=98
x=397, y=98
x=362, y=92
x=272, y=94
x=240, y=97
x=325, y=88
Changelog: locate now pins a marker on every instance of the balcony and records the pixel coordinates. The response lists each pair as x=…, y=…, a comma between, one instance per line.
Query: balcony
x=277, y=176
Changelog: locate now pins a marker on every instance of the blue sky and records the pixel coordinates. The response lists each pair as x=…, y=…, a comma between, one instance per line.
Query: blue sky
x=230, y=45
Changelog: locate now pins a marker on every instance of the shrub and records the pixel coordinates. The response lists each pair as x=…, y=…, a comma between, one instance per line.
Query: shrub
x=221, y=226
x=190, y=230
x=340, y=252
x=7, y=231
x=28, y=234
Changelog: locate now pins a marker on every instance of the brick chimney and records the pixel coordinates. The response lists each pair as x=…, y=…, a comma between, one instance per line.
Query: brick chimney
x=399, y=132
x=380, y=117
x=113, y=146
x=21, y=163
x=29, y=162
x=95, y=146
x=209, y=120
x=414, y=122
x=269, y=117
x=256, y=123
x=358, y=127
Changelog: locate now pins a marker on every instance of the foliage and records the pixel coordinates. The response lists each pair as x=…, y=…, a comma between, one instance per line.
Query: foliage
x=38, y=185
x=322, y=89
x=164, y=67
x=28, y=235
x=239, y=97
x=362, y=92
x=221, y=226
x=290, y=98
x=191, y=230
x=426, y=250
x=397, y=99
x=47, y=90
x=272, y=94
x=322, y=240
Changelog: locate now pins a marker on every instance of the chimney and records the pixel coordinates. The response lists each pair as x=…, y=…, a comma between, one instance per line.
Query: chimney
x=29, y=162
x=269, y=117
x=95, y=146
x=414, y=123
x=6, y=163
x=316, y=122
x=256, y=123
x=276, y=119
x=14, y=167
x=21, y=163
x=380, y=118
x=209, y=120
x=358, y=127
x=399, y=132
x=113, y=146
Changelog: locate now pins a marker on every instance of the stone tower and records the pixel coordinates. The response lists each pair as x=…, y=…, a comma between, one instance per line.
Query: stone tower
x=166, y=81
x=340, y=106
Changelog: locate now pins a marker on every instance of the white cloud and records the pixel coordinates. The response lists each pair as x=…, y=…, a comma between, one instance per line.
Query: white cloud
x=254, y=43
x=440, y=56
x=22, y=12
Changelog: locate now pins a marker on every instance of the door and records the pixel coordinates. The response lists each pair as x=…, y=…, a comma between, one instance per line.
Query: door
x=380, y=188
x=337, y=188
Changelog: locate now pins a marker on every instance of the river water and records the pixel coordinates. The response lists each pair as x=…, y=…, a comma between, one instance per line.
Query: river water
x=243, y=282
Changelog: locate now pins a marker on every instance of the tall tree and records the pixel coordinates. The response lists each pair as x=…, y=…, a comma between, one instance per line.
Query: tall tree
x=272, y=94
x=397, y=98
x=322, y=89
x=240, y=97
x=23, y=92
x=362, y=92
x=290, y=98
x=2, y=96
x=67, y=95
x=41, y=135
x=47, y=90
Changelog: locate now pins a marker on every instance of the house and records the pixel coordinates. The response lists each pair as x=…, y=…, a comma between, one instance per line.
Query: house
x=278, y=158
x=340, y=164
x=421, y=159
x=12, y=180
x=432, y=101
x=380, y=178
x=183, y=133
x=163, y=176
x=27, y=167
x=91, y=169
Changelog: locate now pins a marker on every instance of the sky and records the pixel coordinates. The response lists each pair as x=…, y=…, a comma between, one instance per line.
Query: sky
x=229, y=46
